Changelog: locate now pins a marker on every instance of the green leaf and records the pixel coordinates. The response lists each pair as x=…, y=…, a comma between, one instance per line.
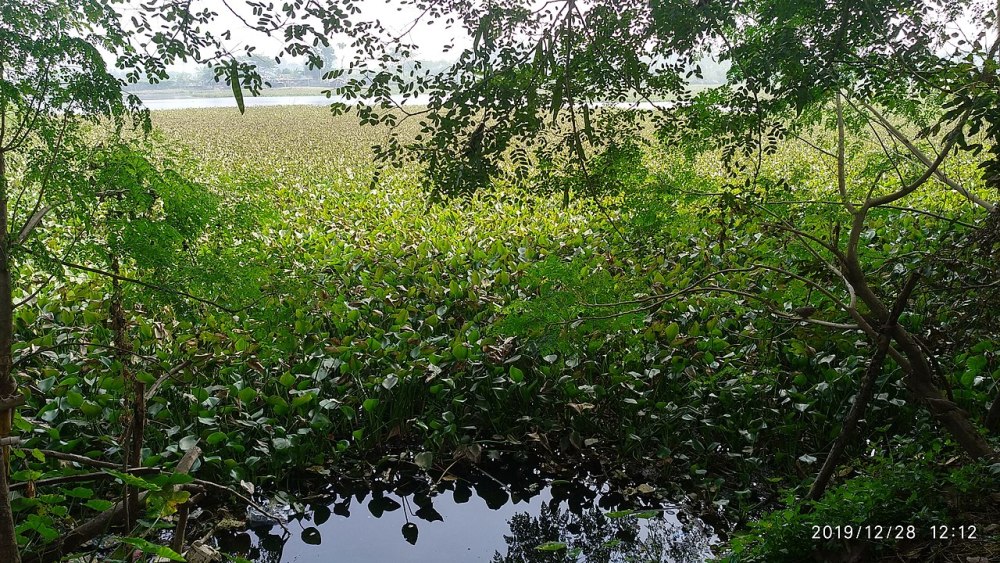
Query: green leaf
x=151, y=548
x=133, y=480
x=516, y=375
x=145, y=377
x=370, y=404
x=671, y=332
x=424, y=460
x=100, y=505
x=74, y=398
x=551, y=546
x=79, y=492
x=234, y=80
x=188, y=442
x=216, y=438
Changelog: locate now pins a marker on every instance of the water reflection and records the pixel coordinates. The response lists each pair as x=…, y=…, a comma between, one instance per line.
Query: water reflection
x=501, y=511
x=560, y=535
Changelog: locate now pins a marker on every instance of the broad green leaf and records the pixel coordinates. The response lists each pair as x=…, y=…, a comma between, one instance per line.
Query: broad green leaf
x=133, y=480
x=151, y=548
x=424, y=460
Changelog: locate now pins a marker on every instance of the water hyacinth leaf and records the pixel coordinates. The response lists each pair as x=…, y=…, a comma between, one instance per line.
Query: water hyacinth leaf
x=216, y=438
x=424, y=460
x=100, y=505
x=74, y=399
x=188, y=442
x=516, y=375
x=133, y=480
x=151, y=548
x=79, y=492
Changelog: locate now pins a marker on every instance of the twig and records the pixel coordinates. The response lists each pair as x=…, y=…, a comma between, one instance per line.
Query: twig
x=864, y=394
x=159, y=382
x=90, y=529
x=240, y=496
x=82, y=477
x=147, y=285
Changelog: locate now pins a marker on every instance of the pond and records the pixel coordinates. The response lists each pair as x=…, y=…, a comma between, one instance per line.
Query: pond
x=504, y=510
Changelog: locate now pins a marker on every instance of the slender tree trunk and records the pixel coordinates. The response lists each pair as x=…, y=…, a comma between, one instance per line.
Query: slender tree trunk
x=136, y=427
x=864, y=395
x=8, y=387
x=920, y=375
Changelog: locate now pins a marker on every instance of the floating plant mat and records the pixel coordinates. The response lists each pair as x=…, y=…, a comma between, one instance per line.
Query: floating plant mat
x=502, y=511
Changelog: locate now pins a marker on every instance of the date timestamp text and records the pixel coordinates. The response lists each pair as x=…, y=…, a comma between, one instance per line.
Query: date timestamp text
x=893, y=532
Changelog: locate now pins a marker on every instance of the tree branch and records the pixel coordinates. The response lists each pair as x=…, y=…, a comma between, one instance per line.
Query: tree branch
x=147, y=285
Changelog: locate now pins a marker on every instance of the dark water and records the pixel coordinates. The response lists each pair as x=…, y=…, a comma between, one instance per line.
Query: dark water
x=498, y=511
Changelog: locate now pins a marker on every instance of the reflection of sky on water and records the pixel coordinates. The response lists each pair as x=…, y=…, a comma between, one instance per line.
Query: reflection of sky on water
x=473, y=519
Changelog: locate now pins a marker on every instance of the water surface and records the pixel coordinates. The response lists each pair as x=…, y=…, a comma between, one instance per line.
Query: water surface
x=500, y=511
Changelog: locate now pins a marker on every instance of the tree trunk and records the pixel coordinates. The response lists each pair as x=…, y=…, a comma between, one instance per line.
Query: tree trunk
x=864, y=395
x=136, y=428
x=920, y=375
x=8, y=387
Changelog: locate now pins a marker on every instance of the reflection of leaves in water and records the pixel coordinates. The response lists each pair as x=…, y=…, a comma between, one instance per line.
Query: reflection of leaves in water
x=463, y=492
x=311, y=536
x=268, y=549
x=428, y=514
x=380, y=505
x=410, y=533
x=593, y=537
x=321, y=513
x=494, y=495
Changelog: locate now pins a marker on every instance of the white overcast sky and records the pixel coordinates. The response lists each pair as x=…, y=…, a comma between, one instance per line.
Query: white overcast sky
x=430, y=38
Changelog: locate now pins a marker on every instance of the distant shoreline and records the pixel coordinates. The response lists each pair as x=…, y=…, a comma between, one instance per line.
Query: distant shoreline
x=197, y=93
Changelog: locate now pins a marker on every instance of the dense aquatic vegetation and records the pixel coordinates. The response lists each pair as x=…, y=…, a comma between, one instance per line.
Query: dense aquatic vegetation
x=340, y=318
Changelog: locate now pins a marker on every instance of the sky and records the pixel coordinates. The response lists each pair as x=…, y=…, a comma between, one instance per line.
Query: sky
x=430, y=38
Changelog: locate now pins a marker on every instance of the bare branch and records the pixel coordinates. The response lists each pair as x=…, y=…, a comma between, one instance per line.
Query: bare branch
x=841, y=156
x=147, y=285
x=933, y=166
